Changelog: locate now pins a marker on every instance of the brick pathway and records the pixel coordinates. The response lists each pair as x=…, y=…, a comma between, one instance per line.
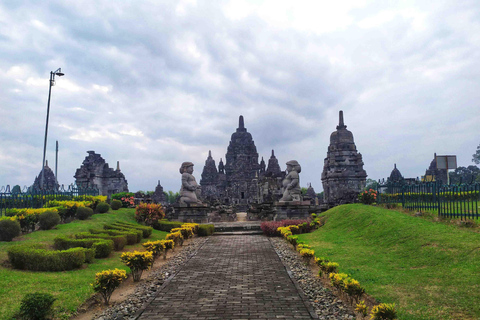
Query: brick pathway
x=231, y=277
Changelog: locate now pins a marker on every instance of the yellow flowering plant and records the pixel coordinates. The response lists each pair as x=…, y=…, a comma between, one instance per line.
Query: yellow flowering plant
x=193, y=226
x=384, y=311
x=361, y=308
x=137, y=262
x=353, y=288
x=307, y=254
x=336, y=280
x=107, y=281
x=155, y=247
x=186, y=232
x=176, y=237
x=168, y=245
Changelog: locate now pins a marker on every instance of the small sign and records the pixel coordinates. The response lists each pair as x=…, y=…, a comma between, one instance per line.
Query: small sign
x=446, y=162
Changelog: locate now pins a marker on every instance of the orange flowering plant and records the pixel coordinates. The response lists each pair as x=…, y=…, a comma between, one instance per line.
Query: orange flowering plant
x=368, y=197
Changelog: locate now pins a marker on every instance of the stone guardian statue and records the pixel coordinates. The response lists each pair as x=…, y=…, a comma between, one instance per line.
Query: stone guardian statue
x=291, y=183
x=190, y=189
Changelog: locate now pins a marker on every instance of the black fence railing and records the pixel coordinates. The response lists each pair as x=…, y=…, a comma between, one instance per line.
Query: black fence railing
x=452, y=201
x=36, y=198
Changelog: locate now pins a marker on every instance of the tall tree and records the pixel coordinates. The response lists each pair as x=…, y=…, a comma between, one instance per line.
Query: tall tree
x=476, y=156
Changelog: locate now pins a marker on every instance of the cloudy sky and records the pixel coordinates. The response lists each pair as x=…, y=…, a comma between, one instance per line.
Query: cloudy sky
x=154, y=83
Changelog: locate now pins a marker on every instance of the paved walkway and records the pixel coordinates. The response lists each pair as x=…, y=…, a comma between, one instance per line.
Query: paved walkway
x=231, y=277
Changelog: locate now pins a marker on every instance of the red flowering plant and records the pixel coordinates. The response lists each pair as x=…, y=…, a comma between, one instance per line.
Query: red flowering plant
x=368, y=197
x=128, y=202
x=149, y=213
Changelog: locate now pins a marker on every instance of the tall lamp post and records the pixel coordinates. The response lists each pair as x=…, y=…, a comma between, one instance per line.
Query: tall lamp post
x=59, y=73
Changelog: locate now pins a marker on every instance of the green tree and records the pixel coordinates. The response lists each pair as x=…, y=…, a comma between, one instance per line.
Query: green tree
x=171, y=196
x=476, y=156
x=464, y=175
x=371, y=184
x=304, y=191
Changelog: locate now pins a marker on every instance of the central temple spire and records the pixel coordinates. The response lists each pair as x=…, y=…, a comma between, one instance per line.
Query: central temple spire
x=341, y=124
x=241, y=124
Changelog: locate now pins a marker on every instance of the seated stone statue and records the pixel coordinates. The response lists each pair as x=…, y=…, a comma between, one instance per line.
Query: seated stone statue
x=190, y=188
x=291, y=183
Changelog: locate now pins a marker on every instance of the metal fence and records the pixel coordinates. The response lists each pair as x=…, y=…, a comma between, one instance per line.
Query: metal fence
x=452, y=201
x=36, y=198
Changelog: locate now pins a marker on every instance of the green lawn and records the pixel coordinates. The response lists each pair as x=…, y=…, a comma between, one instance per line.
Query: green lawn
x=429, y=270
x=71, y=288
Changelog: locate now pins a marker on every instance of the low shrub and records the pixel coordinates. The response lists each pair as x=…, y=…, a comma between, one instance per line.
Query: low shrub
x=329, y=267
x=36, y=306
x=270, y=228
x=107, y=281
x=137, y=262
x=384, y=311
x=34, y=258
x=116, y=204
x=83, y=213
x=292, y=240
x=168, y=245
x=176, y=237
x=102, y=207
x=149, y=213
x=337, y=280
x=205, y=230
x=9, y=229
x=48, y=220
x=361, y=308
x=307, y=254
x=103, y=247
x=165, y=225
x=368, y=196
x=119, y=241
x=186, y=232
x=353, y=289
x=194, y=226
x=155, y=247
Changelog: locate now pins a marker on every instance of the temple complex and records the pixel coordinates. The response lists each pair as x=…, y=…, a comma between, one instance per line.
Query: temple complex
x=95, y=173
x=241, y=180
x=343, y=176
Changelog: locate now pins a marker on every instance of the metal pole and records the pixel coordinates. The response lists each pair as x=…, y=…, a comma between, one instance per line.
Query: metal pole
x=56, y=161
x=46, y=129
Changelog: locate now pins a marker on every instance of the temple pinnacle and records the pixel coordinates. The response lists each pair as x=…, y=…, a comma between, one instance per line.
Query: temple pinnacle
x=341, y=124
x=241, y=125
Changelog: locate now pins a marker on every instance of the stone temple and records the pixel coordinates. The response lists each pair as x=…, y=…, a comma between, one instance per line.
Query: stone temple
x=343, y=176
x=241, y=180
x=434, y=174
x=49, y=180
x=95, y=173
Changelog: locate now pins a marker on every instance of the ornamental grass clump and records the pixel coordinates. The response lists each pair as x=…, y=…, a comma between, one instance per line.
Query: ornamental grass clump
x=155, y=247
x=107, y=281
x=36, y=306
x=176, y=237
x=137, y=262
x=384, y=311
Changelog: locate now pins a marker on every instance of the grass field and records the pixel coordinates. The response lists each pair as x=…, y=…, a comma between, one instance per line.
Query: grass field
x=71, y=288
x=429, y=270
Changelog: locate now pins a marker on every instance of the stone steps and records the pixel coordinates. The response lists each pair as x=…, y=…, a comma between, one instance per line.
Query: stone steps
x=237, y=228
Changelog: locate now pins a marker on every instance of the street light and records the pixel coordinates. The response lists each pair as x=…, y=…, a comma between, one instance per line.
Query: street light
x=59, y=73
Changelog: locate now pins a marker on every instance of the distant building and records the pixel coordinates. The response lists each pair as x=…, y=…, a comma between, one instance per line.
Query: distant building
x=49, y=180
x=95, y=173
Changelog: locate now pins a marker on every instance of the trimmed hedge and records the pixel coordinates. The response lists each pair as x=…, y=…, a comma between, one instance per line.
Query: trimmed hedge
x=36, y=305
x=48, y=220
x=9, y=229
x=147, y=231
x=119, y=241
x=116, y=204
x=124, y=229
x=34, y=258
x=84, y=213
x=102, y=207
x=131, y=236
x=103, y=247
x=165, y=225
x=206, y=230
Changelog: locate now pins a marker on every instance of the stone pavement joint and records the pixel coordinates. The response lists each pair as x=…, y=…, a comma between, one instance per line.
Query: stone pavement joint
x=230, y=277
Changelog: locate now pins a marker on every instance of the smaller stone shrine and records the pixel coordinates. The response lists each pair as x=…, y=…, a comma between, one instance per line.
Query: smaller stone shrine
x=159, y=195
x=395, y=176
x=311, y=195
x=343, y=176
x=49, y=180
x=95, y=173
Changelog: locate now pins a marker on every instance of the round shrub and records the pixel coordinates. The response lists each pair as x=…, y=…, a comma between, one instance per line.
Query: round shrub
x=36, y=306
x=48, y=220
x=116, y=204
x=84, y=213
x=9, y=229
x=103, y=207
